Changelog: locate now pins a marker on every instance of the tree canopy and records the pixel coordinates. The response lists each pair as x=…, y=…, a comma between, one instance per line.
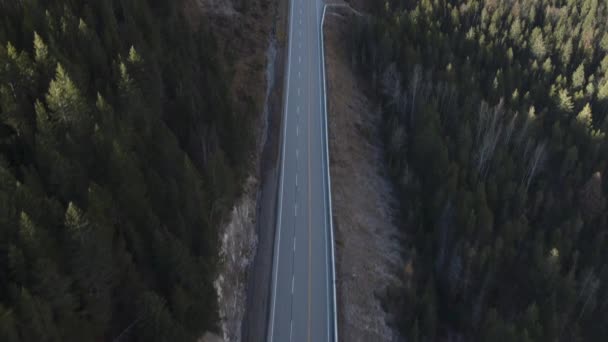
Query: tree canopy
x=119, y=154
x=495, y=130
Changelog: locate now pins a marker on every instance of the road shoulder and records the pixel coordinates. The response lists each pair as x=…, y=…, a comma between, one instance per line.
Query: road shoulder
x=368, y=257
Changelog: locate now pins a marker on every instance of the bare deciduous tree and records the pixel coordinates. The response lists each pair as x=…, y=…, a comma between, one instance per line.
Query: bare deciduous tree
x=414, y=87
x=534, y=163
x=489, y=129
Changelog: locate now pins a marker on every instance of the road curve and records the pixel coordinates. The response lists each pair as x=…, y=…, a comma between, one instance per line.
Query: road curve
x=302, y=298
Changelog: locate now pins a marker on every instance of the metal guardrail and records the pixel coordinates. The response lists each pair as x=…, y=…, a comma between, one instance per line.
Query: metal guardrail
x=328, y=175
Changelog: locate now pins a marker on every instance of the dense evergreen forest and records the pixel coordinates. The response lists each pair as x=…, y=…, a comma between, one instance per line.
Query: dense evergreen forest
x=495, y=119
x=119, y=154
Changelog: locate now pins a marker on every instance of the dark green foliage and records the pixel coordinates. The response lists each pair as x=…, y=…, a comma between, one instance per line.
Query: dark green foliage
x=496, y=124
x=119, y=154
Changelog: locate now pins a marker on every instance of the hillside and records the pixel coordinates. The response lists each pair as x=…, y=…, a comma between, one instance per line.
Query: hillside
x=121, y=151
x=495, y=126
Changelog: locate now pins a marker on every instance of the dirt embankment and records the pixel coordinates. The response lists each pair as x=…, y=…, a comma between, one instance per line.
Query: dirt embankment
x=368, y=255
x=245, y=31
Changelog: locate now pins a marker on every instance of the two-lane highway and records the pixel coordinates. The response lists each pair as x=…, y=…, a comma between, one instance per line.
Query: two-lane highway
x=302, y=297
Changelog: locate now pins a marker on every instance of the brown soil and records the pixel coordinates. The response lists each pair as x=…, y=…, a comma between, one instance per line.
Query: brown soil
x=368, y=256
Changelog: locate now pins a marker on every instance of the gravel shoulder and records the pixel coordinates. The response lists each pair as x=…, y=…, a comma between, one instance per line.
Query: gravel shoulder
x=368, y=255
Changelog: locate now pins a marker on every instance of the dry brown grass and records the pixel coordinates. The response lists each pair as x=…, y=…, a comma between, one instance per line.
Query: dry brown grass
x=368, y=255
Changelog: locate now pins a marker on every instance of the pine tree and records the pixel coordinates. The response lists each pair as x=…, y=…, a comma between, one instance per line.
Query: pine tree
x=157, y=322
x=602, y=93
x=74, y=220
x=41, y=51
x=53, y=286
x=565, y=101
x=585, y=118
x=548, y=66
x=29, y=234
x=593, y=202
x=604, y=42
x=515, y=31
x=538, y=43
x=8, y=327
x=17, y=265
x=134, y=57
x=578, y=77
x=531, y=323
x=64, y=98
x=566, y=54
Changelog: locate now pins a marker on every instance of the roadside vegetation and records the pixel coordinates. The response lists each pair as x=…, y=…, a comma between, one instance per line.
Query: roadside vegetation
x=495, y=118
x=119, y=156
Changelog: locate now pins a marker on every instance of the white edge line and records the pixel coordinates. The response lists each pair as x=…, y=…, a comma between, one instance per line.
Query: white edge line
x=331, y=224
x=277, y=240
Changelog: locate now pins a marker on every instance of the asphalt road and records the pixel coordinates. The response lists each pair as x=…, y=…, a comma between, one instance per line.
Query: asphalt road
x=301, y=294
